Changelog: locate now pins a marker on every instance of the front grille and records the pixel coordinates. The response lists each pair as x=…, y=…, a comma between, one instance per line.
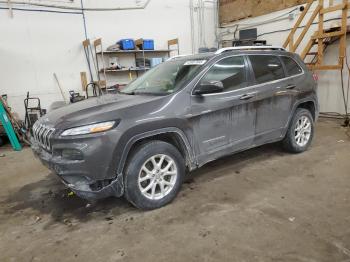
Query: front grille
x=42, y=134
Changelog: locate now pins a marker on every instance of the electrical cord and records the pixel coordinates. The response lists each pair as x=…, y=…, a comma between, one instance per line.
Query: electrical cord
x=346, y=100
x=334, y=115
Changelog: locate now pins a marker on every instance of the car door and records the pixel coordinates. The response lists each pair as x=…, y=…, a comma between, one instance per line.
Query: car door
x=274, y=97
x=223, y=122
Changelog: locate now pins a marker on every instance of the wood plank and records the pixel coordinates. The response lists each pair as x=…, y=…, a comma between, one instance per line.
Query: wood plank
x=307, y=49
x=327, y=35
x=83, y=80
x=101, y=83
x=320, y=45
x=342, y=43
x=86, y=42
x=98, y=42
x=133, y=51
x=173, y=42
x=139, y=42
x=306, y=28
x=332, y=8
x=324, y=67
x=297, y=24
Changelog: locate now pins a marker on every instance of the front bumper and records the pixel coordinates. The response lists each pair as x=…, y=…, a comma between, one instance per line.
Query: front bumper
x=80, y=176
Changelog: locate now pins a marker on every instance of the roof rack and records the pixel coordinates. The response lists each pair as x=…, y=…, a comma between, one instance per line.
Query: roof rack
x=265, y=47
x=177, y=56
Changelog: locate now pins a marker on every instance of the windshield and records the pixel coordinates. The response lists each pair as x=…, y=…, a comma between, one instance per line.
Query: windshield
x=164, y=79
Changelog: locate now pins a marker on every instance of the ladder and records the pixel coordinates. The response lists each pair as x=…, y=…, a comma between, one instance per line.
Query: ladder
x=322, y=38
x=6, y=122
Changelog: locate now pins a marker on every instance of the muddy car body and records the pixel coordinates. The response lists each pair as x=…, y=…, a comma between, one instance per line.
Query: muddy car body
x=222, y=103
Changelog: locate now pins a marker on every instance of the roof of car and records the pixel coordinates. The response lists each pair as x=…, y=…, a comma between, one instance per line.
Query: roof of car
x=235, y=50
x=193, y=57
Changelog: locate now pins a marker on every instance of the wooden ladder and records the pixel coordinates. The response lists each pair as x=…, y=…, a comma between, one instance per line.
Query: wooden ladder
x=322, y=38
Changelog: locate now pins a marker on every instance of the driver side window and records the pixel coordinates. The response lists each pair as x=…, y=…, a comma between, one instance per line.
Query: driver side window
x=230, y=71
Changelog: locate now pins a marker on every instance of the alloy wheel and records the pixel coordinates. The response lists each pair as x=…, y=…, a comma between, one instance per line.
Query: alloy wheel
x=302, y=131
x=157, y=176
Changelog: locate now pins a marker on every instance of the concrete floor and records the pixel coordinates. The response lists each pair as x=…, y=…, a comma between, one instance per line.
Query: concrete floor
x=260, y=205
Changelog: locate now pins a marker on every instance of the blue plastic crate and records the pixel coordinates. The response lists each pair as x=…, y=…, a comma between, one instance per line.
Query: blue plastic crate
x=147, y=44
x=127, y=44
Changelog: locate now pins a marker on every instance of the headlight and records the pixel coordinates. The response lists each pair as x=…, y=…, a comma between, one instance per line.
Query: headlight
x=89, y=129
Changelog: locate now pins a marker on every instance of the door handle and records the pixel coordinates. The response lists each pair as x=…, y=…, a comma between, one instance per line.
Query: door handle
x=290, y=86
x=247, y=96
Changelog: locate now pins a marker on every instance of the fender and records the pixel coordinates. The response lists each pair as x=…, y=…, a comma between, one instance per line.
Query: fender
x=183, y=138
x=311, y=99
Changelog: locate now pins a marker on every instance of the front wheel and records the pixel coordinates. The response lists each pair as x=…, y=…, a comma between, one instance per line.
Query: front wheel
x=300, y=133
x=154, y=175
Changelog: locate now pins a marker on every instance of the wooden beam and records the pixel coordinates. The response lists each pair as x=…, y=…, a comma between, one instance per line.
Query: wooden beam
x=86, y=42
x=98, y=42
x=320, y=44
x=324, y=67
x=327, y=35
x=297, y=24
x=291, y=42
x=308, y=47
x=306, y=28
x=101, y=83
x=342, y=42
x=332, y=8
x=173, y=42
x=83, y=79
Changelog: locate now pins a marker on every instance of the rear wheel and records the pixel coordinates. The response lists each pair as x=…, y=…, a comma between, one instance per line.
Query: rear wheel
x=154, y=175
x=300, y=133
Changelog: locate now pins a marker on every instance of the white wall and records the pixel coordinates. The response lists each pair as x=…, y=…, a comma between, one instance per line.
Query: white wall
x=34, y=45
x=330, y=94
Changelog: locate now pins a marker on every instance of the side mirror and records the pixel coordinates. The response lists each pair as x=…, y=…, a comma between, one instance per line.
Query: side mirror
x=208, y=88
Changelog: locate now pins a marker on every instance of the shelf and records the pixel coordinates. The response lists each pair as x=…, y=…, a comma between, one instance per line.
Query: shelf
x=125, y=70
x=135, y=51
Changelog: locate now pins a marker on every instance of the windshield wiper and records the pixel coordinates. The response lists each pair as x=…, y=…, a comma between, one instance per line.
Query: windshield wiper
x=151, y=93
x=123, y=93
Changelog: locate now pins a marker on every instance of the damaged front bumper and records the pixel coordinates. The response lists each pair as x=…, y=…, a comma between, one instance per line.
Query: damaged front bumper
x=75, y=175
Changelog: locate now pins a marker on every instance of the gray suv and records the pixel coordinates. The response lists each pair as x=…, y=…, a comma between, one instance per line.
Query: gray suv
x=175, y=118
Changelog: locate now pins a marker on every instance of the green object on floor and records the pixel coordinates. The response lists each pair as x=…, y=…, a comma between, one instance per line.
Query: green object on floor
x=9, y=129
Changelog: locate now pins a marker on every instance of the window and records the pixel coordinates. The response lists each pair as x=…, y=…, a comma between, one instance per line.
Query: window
x=292, y=67
x=230, y=71
x=266, y=68
x=165, y=78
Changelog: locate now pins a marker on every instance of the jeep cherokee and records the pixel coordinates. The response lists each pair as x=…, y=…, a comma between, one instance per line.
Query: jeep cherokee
x=175, y=118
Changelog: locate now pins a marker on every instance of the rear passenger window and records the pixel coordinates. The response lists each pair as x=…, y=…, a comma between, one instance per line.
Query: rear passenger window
x=230, y=71
x=266, y=68
x=292, y=67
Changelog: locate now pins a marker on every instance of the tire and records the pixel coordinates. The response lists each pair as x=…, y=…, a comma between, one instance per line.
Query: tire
x=297, y=141
x=140, y=173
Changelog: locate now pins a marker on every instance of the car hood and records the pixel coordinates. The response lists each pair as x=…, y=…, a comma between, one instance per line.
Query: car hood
x=103, y=108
